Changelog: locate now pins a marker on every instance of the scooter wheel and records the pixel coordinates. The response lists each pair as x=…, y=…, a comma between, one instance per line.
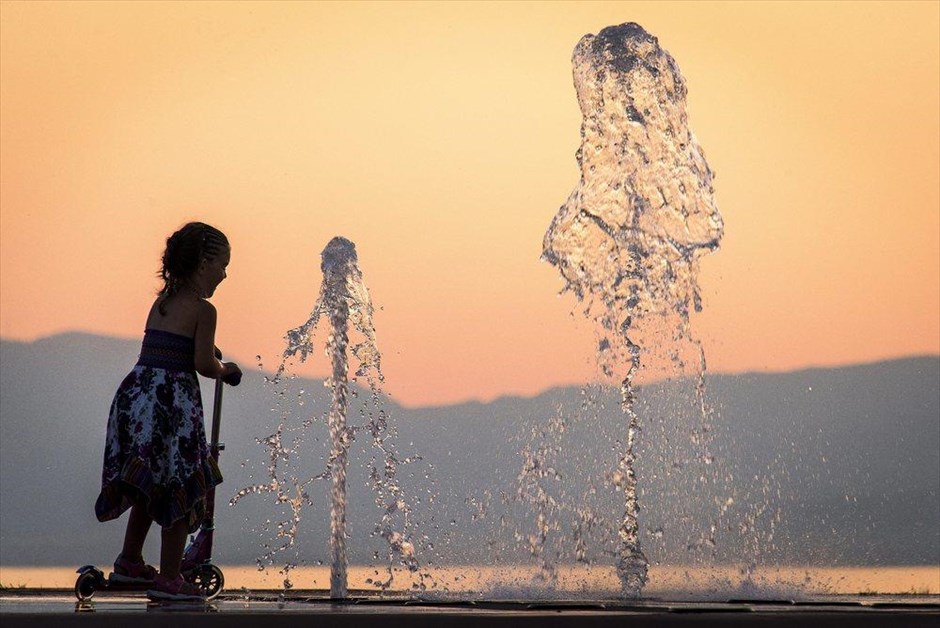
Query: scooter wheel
x=209, y=579
x=85, y=586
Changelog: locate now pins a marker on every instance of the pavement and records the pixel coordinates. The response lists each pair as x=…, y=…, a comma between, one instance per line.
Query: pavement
x=24, y=607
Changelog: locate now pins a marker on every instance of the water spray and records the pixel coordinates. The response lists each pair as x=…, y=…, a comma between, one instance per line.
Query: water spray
x=628, y=239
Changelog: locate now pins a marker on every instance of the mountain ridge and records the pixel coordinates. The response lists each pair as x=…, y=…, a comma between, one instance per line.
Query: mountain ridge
x=71, y=336
x=834, y=465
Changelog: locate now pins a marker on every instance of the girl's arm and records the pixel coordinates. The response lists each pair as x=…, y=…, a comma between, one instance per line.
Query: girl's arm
x=207, y=364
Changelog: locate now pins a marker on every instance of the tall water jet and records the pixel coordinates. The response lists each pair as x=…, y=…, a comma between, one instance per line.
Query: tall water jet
x=628, y=239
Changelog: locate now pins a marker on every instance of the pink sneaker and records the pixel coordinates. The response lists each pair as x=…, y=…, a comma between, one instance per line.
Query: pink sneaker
x=126, y=572
x=176, y=590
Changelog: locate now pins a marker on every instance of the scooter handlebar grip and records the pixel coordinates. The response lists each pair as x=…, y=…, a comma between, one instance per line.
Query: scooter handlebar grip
x=233, y=379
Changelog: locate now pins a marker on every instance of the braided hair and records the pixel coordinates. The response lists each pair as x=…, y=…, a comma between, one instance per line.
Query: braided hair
x=185, y=250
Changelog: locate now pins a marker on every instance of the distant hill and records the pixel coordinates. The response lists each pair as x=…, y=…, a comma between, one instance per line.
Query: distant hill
x=823, y=466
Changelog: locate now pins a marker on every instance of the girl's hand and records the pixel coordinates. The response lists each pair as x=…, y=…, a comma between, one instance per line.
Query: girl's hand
x=231, y=375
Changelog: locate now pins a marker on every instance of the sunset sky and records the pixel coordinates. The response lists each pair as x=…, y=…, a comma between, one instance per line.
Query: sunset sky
x=440, y=138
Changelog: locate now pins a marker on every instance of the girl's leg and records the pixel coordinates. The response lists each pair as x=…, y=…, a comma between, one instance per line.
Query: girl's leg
x=171, y=550
x=138, y=524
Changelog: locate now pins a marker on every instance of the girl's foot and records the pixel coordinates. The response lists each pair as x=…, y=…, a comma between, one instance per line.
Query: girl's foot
x=127, y=572
x=176, y=590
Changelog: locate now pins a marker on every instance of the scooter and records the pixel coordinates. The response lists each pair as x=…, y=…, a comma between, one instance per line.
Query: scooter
x=197, y=566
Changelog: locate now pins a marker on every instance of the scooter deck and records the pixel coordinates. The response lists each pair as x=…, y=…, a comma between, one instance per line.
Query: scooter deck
x=117, y=585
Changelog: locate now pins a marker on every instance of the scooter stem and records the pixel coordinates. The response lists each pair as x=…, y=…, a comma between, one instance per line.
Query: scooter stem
x=199, y=550
x=216, y=418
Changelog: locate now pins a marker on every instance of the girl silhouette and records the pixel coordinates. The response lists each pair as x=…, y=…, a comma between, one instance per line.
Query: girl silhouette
x=156, y=459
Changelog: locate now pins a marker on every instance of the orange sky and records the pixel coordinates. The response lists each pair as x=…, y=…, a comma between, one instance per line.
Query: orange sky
x=440, y=138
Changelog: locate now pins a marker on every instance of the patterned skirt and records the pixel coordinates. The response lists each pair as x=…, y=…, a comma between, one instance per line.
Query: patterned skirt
x=156, y=453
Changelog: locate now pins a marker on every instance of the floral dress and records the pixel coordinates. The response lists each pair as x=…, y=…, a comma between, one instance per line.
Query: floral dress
x=155, y=450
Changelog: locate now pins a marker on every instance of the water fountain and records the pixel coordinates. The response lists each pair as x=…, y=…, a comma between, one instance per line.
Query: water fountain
x=627, y=243
x=628, y=239
x=344, y=300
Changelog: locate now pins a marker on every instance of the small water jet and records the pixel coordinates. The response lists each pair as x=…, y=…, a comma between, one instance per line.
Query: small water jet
x=339, y=266
x=344, y=300
x=628, y=239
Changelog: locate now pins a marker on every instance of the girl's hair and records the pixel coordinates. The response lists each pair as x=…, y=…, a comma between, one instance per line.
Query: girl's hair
x=185, y=250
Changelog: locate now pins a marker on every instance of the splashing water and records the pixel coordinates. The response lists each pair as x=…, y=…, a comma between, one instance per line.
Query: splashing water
x=537, y=467
x=628, y=239
x=344, y=300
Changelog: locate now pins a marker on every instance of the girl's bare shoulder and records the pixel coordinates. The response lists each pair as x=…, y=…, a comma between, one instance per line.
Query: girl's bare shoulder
x=176, y=315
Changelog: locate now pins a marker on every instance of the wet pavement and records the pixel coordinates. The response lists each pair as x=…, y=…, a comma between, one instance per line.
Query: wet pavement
x=23, y=607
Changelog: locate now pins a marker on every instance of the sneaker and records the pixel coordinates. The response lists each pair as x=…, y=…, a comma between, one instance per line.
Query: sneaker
x=177, y=590
x=127, y=572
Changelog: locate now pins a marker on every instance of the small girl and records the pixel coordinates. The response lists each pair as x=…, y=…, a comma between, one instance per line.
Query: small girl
x=156, y=459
